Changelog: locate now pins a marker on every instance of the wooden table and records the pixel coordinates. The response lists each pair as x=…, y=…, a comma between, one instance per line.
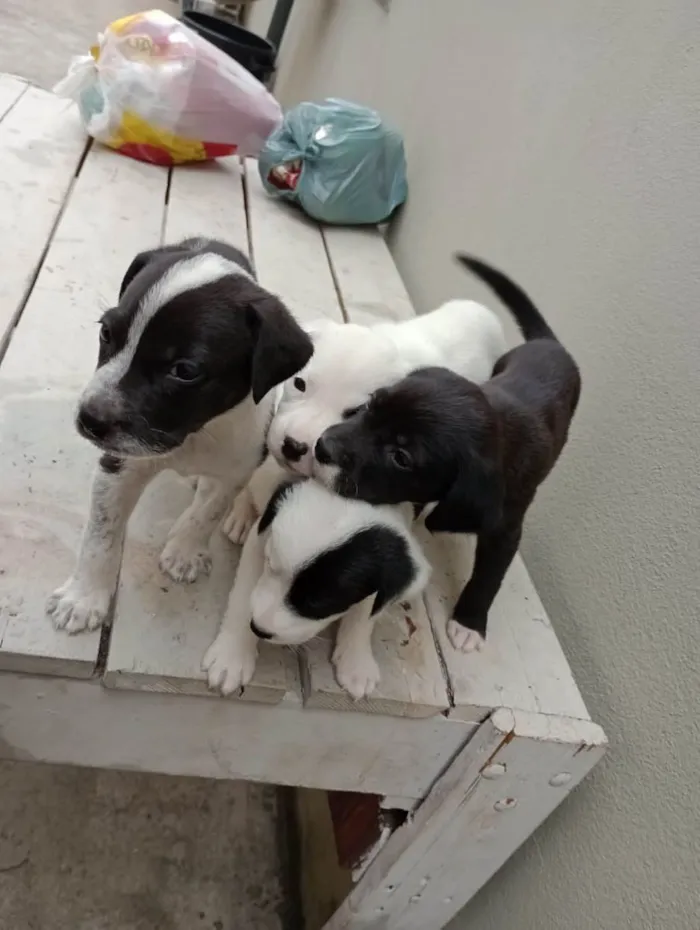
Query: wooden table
x=480, y=748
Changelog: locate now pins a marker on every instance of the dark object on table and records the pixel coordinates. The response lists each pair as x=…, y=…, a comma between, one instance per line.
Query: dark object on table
x=256, y=54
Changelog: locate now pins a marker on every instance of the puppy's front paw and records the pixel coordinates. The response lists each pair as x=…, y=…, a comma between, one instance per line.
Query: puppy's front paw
x=185, y=559
x=240, y=519
x=75, y=606
x=229, y=663
x=357, y=673
x=463, y=639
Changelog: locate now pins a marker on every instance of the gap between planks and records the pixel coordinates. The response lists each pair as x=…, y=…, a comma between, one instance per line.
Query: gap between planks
x=38, y=166
x=11, y=91
x=166, y=202
x=34, y=274
x=336, y=282
x=246, y=207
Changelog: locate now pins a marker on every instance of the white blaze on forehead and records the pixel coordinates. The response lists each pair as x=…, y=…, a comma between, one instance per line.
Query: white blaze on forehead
x=185, y=275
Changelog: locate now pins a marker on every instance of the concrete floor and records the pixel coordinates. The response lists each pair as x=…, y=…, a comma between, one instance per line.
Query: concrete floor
x=98, y=850
x=90, y=850
x=39, y=37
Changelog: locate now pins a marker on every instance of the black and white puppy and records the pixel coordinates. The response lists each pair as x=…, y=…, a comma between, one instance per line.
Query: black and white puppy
x=187, y=359
x=314, y=558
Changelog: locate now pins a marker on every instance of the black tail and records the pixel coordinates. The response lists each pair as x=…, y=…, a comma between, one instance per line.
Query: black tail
x=531, y=322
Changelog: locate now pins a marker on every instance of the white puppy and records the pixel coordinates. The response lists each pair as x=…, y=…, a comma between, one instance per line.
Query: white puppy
x=312, y=559
x=350, y=362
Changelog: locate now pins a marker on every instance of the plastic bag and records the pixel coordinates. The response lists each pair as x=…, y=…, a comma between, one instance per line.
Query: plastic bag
x=155, y=90
x=338, y=160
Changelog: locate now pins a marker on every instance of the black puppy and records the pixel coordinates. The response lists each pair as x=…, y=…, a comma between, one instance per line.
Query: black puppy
x=479, y=451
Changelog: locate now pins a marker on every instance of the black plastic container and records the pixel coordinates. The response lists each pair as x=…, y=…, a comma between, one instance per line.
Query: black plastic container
x=253, y=52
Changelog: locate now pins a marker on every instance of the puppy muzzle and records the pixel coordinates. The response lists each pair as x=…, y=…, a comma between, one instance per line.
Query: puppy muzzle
x=110, y=430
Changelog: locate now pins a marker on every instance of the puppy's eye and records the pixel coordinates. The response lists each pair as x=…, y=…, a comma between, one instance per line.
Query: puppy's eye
x=351, y=411
x=186, y=371
x=401, y=458
x=105, y=334
x=299, y=384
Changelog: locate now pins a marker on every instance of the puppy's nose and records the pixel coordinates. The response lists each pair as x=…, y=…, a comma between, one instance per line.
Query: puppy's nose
x=93, y=423
x=325, y=451
x=322, y=451
x=293, y=450
x=261, y=634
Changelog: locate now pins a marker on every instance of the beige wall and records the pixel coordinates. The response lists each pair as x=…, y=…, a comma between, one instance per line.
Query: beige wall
x=561, y=139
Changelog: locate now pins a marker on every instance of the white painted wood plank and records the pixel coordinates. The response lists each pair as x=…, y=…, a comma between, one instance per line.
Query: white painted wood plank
x=289, y=253
x=82, y=723
x=391, y=802
x=482, y=680
x=412, y=683
x=496, y=817
x=115, y=209
x=207, y=200
x=546, y=667
x=514, y=772
x=11, y=89
x=522, y=665
x=413, y=680
x=370, y=286
x=162, y=629
x=41, y=143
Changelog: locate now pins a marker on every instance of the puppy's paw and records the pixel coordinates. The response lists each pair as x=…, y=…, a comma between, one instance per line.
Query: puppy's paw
x=463, y=639
x=185, y=559
x=357, y=673
x=241, y=519
x=75, y=606
x=229, y=663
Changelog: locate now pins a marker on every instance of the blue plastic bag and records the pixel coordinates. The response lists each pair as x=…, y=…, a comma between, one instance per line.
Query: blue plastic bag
x=339, y=161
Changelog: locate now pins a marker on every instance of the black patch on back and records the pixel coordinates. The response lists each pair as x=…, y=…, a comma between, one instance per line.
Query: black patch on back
x=111, y=464
x=374, y=560
x=273, y=505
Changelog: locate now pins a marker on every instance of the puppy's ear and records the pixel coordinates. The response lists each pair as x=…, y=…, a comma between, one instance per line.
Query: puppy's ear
x=281, y=345
x=374, y=561
x=145, y=258
x=474, y=501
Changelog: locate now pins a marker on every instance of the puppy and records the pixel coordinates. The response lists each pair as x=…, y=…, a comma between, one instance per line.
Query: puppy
x=350, y=362
x=315, y=558
x=479, y=452
x=187, y=359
